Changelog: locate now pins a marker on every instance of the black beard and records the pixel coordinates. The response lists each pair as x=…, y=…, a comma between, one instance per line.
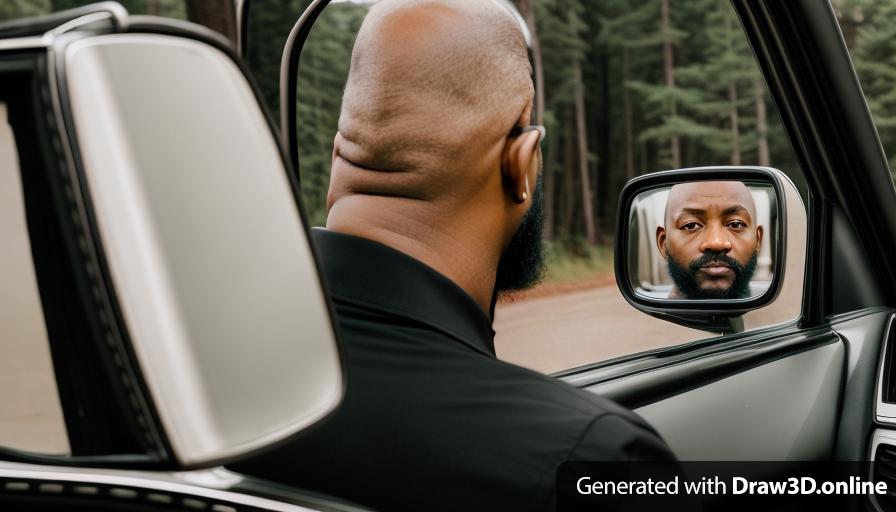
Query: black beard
x=685, y=278
x=522, y=263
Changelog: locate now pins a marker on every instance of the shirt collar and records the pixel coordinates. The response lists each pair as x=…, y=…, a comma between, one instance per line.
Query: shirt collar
x=373, y=274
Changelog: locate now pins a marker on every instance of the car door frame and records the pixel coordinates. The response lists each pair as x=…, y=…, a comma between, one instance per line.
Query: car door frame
x=802, y=55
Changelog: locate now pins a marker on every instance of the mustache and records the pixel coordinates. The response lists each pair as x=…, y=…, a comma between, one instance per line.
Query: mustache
x=684, y=276
x=715, y=257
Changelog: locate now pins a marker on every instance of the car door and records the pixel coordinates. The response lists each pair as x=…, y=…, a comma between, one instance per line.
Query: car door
x=805, y=390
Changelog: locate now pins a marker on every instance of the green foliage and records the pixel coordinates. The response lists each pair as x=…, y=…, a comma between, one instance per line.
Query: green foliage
x=562, y=33
x=874, y=53
x=12, y=9
x=575, y=261
x=710, y=53
x=617, y=48
x=323, y=70
x=269, y=24
x=168, y=8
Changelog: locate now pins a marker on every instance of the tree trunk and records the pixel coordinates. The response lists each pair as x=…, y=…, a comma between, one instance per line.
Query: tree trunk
x=152, y=7
x=735, y=129
x=582, y=134
x=527, y=9
x=627, y=113
x=606, y=162
x=549, y=182
x=761, y=121
x=219, y=16
x=849, y=24
x=669, y=76
x=569, y=157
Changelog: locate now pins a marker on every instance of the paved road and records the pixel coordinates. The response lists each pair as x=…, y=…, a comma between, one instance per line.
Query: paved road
x=30, y=413
x=554, y=333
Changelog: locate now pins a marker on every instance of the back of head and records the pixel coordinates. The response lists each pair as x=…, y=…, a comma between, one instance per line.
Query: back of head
x=434, y=86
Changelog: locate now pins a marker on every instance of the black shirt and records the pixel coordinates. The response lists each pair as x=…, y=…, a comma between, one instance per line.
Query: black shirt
x=431, y=420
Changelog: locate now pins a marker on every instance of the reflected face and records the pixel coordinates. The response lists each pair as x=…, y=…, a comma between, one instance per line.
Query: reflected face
x=711, y=240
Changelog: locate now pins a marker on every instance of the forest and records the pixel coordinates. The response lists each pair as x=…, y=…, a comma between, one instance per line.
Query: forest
x=627, y=87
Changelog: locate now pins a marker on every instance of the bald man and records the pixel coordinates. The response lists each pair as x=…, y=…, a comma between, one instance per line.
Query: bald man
x=434, y=207
x=711, y=240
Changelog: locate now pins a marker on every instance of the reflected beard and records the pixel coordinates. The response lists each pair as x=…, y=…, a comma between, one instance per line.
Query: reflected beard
x=685, y=278
x=522, y=263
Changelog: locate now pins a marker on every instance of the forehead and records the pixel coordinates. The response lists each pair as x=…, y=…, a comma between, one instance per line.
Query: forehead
x=705, y=194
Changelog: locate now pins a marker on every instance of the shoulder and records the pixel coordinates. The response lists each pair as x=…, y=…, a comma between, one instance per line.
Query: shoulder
x=566, y=396
x=607, y=430
x=620, y=437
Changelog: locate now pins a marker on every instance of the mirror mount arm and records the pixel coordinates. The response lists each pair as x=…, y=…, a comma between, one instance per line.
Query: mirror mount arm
x=719, y=324
x=289, y=67
x=242, y=27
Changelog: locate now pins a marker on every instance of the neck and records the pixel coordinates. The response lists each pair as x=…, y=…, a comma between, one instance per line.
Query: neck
x=447, y=244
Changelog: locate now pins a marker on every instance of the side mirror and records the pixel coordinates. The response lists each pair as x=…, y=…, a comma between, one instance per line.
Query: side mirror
x=702, y=247
x=211, y=275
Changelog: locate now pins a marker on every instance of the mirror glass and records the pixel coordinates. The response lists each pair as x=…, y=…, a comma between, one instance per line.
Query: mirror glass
x=709, y=240
x=208, y=255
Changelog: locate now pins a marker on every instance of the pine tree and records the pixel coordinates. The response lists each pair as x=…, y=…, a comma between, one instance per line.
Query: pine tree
x=719, y=82
x=167, y=8
x=269, y=24
x=662, y=98
x=12, y=9
x=875, y=61
x=622, y=31
x=563, y=29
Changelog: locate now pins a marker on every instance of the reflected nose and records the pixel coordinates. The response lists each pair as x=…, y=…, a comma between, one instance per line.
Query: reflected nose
x=716, y=240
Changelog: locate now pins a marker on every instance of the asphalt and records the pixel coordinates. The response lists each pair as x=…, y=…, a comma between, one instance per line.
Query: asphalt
x=550, y=334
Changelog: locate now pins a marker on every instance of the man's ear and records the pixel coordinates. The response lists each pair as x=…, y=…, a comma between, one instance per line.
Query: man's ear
x=661, y=241
x=759, y=232
x=520, y=156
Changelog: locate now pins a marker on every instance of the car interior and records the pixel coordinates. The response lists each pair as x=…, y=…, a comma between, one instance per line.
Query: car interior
x=144, y=410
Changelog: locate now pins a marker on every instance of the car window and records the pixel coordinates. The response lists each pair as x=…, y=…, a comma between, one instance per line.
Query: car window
x=630, y=87
x=868, y=29
x=31, y=416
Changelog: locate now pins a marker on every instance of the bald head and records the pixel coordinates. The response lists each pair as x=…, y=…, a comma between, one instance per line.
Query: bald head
x=702, y=194
x=432, y=156
x=432, y=85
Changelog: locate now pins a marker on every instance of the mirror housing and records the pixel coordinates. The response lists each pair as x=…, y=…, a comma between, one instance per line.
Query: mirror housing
x=206, y=266
x=716, y=315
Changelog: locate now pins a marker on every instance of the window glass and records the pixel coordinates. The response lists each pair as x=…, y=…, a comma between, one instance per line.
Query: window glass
x=267, y=28
x=630, y=87
x=50, y=358
x=31, y=417
x=869, y=29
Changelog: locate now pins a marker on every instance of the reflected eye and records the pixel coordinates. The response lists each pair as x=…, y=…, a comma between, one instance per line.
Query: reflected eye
x=691, y=226
x=737, y=224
